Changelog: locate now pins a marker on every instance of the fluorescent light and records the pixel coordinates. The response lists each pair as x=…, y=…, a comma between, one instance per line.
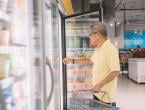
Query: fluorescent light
x=118, y=23
x=111, y=24
x=127, y=22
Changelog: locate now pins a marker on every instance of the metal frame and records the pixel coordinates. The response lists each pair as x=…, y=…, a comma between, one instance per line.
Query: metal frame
x=44, y=106
x=83, y=14
x=131, y=9
x=45, y=61
x=63, y=66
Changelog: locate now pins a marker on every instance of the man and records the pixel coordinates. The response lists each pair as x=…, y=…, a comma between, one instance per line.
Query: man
x=105, y=62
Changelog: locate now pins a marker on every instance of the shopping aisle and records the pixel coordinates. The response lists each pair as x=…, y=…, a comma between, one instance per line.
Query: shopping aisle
x=131, y=96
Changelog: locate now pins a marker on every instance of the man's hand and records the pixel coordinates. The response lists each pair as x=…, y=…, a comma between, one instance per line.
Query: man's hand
x=81, y=61
x=67, y=60
x=97, y=88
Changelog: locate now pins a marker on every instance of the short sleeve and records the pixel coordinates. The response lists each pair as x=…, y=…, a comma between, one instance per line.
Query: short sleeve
x=113, y=60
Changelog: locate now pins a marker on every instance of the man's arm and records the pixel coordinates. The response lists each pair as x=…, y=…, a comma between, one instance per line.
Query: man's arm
x=108, y=79
x=81, y=61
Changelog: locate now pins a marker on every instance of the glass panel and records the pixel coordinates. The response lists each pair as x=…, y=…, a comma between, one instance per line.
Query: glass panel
x=14, y=55
x=36, y=74
x=22, y=61
x=53, y=54
x=77, y=46
x=44, y=40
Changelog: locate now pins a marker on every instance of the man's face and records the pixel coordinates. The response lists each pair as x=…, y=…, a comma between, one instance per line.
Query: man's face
x=93, y=39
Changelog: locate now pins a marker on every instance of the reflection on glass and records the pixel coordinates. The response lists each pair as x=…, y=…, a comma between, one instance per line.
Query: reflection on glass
x=77, y=46
x=53, y=53
x=36, y=84
x=21, y=55
x=13, y=55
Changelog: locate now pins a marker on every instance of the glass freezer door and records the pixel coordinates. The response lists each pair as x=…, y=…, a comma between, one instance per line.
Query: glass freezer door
x=45, y=53
x=52, y=51
x=78, y=77
x=14, y=59
x=29, y=55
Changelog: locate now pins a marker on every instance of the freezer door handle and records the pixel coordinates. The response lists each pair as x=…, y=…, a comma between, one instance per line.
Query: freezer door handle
x=52, y=80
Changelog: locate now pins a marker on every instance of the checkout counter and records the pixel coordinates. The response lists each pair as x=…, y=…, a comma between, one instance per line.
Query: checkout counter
x=137, y=69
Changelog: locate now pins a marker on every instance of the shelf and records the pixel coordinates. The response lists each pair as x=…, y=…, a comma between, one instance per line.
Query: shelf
x=4, y=16
x=84, y=20
x=19, y=71
x=6, y=49
x=80, y=49
x=74, y=49
x=89, y=49
x=19, y=78
x=21, y=103
x=75, y=76
x=5, y=82
x=83, y=27
x=78, y=35
x=86, y=89
x=19, y=44
x=76, y=86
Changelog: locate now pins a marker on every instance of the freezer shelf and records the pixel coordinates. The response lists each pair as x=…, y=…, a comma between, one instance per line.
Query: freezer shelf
x=88, y=104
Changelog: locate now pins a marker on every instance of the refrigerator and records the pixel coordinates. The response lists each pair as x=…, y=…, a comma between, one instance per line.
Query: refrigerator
x=35, y=36
x=78, y=78
x=30, y=55
x=136, y=69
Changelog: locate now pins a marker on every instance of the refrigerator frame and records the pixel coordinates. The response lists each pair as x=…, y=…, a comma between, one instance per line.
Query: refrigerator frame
x=63, y=34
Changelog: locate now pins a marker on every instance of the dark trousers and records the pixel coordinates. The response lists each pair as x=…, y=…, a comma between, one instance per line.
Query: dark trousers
x=96, y=98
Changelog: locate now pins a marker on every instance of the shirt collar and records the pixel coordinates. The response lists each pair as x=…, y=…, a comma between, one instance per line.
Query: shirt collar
x=105, y=44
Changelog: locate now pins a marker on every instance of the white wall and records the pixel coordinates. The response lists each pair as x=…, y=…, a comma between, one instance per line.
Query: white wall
x=111, y=35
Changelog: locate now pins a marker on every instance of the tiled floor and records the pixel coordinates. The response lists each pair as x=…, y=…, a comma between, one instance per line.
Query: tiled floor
x=131, y=96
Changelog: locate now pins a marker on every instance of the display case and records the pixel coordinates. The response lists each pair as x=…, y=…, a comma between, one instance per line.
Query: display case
x=79, y=77
x=13, y=55
x=137, y=70
x=28, y=60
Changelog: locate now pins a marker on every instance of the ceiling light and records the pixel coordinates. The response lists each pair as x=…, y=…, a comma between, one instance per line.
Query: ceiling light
x=118, y=23
x=111, y=24
x=127, y=23
x=135, y=31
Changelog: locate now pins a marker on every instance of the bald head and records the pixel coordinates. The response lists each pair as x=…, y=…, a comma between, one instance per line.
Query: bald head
x=99, y=27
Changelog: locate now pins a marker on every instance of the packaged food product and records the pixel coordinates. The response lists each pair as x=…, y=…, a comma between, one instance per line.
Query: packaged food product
x=4, y=65
x=4, y=37
x=3, y=5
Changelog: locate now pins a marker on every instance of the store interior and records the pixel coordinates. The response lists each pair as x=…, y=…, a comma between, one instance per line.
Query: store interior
x=36, y=35
x=125, y=21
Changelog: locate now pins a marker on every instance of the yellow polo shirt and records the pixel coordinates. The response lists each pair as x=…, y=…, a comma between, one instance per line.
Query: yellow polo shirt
x=105, y=60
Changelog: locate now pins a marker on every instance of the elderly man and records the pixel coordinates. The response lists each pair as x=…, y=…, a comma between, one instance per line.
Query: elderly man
x=106, y=66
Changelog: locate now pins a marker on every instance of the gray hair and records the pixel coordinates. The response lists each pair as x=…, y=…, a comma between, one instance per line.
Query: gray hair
x=99, y=27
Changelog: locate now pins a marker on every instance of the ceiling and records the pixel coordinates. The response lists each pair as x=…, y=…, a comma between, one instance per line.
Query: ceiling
x=132, y=13
x=134, y=10
x=127, y=11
